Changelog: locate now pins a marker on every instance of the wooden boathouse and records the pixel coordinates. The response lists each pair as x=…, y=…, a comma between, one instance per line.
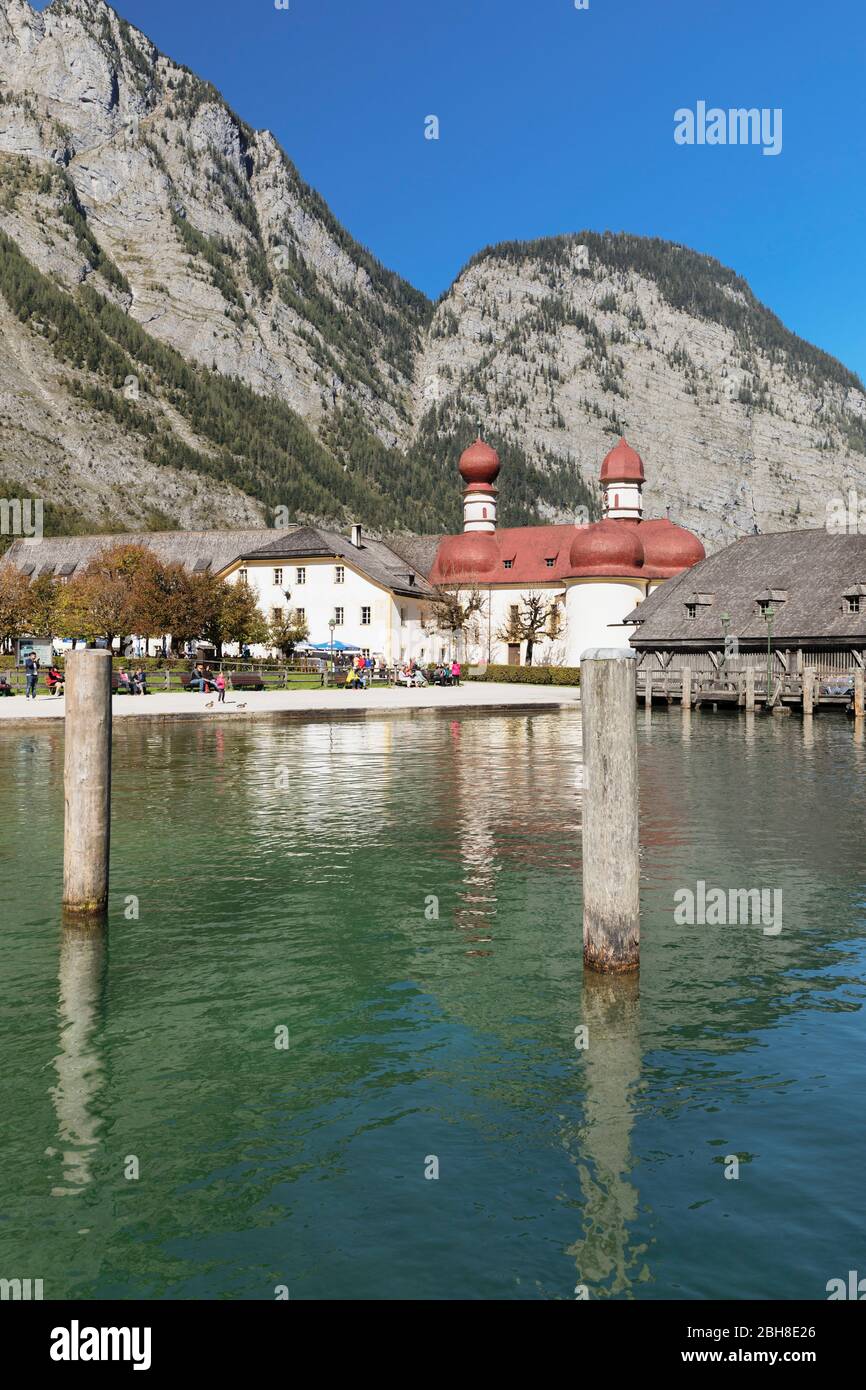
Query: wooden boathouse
x=775, y=621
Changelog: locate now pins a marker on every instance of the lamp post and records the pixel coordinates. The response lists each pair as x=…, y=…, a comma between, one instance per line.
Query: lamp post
x=332, y=623
x=769, y=615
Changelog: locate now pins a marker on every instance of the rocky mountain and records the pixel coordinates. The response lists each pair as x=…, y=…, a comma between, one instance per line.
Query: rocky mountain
x=189, y=337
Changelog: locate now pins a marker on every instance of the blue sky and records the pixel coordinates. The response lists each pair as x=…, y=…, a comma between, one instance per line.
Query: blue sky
x=553, y=119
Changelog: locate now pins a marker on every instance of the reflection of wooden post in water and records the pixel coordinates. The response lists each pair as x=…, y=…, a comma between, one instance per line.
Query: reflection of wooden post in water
x=604, y=1260
x=750, y=689
x=79, y=1071
x=611, y=870
x=687, y=688
x=87, y=779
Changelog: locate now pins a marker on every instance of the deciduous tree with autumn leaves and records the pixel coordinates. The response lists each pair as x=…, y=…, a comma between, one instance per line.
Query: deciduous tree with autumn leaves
x=128, y=590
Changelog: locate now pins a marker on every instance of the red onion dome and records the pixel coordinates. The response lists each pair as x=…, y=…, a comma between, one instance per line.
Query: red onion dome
x=670, y=547
x=465, y=555
x=606, y=547
x=622, y=465
x=479, y=463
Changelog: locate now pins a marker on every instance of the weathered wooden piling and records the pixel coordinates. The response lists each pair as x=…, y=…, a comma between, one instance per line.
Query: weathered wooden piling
x=87, y=778
x=859, y=691
x=687, y=688
x=648, y=690
x=750, y=688
x=611, y=849
x=808, y=691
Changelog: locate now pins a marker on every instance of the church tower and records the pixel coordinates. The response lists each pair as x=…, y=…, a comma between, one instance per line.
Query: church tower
x=479, y=469
x=622, y=480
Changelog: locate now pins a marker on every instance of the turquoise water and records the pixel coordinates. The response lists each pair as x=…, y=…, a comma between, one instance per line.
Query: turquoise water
x=286, y=877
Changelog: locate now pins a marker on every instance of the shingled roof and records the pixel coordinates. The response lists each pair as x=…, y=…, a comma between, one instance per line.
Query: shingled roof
x=214, y=551
x=373, y=558
x=804, y=575
x=417, y=551
x=67, y=555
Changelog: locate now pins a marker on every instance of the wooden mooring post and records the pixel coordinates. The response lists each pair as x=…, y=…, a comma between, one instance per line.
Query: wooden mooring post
x=611, y=848
x=87, y=782
x=859, y=683
x=808, y=691
x=750, y=689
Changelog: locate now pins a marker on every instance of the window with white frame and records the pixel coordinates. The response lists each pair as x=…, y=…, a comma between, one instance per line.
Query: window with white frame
x=301, y=574
x=302, y=615
x=278, y=578
x=339, y=574
x=338, y=617
x=366, y=617
x=244, y=576
x=276, y=615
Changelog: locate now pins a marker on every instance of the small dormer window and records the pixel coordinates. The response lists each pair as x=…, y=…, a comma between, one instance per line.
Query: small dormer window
x=854, y=603
x=550, y=563
x=691, y=610
x=770, y=601
x=508, y=564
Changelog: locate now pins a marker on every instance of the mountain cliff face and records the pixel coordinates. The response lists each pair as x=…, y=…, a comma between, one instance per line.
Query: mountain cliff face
x=188, y=337
x=569, y=341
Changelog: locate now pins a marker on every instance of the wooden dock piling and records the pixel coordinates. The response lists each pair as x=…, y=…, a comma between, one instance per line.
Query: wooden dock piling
x=859, y=683
x=687, y=688
x=611, y=849
x=87, y=781
x=750, y=689
x=808, y=691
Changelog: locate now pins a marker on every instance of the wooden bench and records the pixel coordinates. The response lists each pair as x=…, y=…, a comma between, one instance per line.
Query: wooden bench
x=247, y=680
x=186, y=679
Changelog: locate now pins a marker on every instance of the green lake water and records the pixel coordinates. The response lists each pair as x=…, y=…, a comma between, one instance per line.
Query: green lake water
x=285, y=875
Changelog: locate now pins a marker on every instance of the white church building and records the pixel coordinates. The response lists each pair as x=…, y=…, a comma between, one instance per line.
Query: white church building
x=593, y=575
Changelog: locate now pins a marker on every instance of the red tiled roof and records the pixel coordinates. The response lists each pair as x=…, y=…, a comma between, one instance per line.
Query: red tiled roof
x=614, y=548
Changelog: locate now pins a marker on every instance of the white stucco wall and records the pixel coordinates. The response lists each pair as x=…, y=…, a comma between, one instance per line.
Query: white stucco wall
x=319, y=594
x=595, y=609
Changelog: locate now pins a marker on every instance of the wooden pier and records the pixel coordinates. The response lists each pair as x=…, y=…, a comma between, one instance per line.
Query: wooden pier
x=803, y=692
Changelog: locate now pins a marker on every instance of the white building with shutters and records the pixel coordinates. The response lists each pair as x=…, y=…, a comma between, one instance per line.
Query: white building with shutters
x=375, y=599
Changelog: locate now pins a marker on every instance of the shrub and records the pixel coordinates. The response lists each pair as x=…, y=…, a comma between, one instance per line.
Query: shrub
x=526, y=675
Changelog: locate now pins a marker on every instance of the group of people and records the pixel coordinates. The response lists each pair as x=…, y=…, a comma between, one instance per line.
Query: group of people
x=134, y=684
x=54, y=679
x=202, y=678
x=363, y=670
x=447, y=673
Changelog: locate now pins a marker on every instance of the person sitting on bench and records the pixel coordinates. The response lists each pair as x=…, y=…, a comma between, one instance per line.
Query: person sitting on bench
x=5, y=688
x=54, y=681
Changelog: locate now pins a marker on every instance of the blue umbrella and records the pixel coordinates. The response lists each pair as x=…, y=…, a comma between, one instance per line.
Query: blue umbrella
x=332, y=646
